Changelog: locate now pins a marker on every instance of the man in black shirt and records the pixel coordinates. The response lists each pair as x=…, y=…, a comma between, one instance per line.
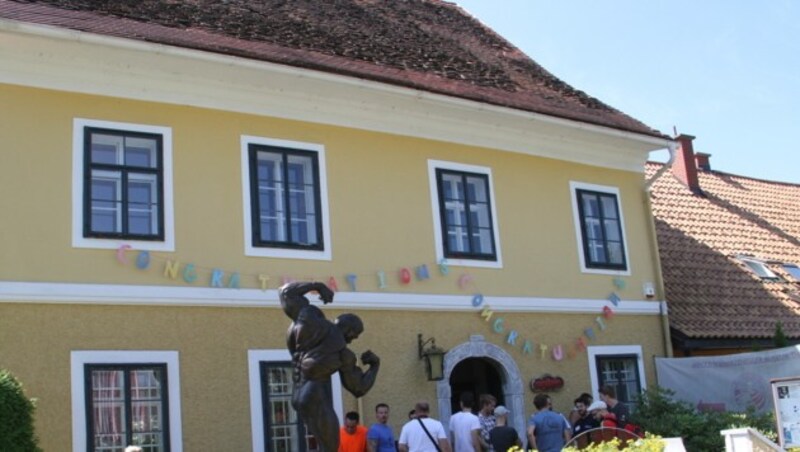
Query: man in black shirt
x=503, y=436
x=619, y=410
x=583, y=421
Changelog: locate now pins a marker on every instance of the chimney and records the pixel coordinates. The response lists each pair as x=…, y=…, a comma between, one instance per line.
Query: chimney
x=702, y=160
x=684, y=167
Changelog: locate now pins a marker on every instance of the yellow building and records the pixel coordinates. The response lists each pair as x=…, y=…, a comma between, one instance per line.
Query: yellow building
x=166, y=166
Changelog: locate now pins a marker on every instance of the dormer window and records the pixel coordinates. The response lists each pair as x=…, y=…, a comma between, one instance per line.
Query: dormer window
x=759, y=268
x=793, y=270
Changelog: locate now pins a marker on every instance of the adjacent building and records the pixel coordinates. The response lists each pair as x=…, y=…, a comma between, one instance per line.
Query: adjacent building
x=730, y=251
x=167, y=165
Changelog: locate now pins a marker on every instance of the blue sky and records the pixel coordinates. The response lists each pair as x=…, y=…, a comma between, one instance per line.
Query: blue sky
x=727, y=72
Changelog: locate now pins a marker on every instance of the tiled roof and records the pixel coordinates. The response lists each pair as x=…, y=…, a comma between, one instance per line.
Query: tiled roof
x=430, y=45
x=710, y=293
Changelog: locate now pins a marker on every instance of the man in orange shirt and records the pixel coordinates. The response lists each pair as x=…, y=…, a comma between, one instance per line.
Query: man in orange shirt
x=352, y=437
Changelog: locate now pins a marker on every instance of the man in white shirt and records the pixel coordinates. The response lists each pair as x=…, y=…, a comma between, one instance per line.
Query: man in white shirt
x=465, y=427
x=413, y=436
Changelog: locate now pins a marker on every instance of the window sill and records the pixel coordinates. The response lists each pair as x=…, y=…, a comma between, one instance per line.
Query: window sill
x=281, y=253
x=110, y=244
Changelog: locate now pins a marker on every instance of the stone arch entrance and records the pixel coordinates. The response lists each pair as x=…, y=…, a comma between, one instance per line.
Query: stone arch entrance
x=502, y=362
x=477, y=376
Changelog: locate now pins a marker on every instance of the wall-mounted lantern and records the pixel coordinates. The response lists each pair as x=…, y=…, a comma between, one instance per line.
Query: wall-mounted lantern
x=434, y=358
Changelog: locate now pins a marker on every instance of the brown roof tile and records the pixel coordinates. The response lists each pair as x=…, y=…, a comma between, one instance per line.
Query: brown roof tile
x=431, y=45
x=711, y=293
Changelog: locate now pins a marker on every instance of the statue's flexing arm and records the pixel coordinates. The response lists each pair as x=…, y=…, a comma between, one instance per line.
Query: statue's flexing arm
x=353, y=378
x=307, y=326
x=293, y=298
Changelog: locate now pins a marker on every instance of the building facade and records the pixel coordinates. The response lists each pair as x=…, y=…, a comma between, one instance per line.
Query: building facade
x=730, y=252
x=160, y=183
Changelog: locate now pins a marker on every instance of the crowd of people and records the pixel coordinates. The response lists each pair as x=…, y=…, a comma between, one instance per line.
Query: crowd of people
x=489, y=430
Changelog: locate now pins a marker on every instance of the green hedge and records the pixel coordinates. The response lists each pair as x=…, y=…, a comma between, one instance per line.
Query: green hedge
x=658, y=413
x=16, y=417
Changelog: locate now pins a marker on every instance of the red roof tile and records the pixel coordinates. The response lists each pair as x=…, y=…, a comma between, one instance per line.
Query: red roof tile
x=711, y=293
x=431, y=45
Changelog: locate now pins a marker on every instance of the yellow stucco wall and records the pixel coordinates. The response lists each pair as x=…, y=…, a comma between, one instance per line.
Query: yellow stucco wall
x=213, y=345
x=378, y=193
x=381, y=219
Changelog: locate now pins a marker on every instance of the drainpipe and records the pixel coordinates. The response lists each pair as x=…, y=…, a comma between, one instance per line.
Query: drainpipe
x=662, y=309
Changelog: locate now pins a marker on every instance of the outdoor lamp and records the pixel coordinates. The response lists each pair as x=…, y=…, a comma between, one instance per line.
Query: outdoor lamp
x=434, y=358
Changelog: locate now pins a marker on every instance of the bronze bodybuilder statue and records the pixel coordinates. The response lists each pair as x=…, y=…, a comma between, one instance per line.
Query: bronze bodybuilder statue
x=319, y=349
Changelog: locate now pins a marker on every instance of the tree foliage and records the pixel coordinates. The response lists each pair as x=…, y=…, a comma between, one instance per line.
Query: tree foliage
x=16, y=417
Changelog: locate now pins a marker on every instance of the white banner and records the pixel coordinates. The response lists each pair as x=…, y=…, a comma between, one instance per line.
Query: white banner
x=731, y=382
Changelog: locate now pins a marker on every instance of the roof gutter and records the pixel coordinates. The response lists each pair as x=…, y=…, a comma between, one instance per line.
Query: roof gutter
x=672, y=147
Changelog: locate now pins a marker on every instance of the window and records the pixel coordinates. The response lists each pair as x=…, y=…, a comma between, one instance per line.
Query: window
x=124, y=194
x=128, y=406
x=122, y=186
x=620, y=367
x=284, y=428
x=285, y=198
x=620, y=373
x=793, y=270
x=275, y=425
x=464, y=215
x=286, y=212
x=122, y=398
x=600, y=228
x=759, y=268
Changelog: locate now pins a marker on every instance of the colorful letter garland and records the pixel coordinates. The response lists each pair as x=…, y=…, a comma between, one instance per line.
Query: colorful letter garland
x=512, y=338
x=218, y=278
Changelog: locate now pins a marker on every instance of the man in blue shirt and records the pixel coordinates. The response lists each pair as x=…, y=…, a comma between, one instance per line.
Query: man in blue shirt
x=380, y=437
x=548, y=431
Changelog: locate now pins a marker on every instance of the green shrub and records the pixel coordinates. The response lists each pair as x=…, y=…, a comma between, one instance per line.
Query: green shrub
x=16, y=417
x=658, y=413
x=780, y=340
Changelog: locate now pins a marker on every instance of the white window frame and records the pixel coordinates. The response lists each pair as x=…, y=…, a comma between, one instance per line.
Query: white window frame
x=433, y=165
x=258, y=251
x=596, y=351
x=254, y=360
x=78, y=154
x=576, y=216
x=78, y=359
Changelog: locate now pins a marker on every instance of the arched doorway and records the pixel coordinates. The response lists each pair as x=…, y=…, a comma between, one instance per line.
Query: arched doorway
x=478, y=376
x=482, y=362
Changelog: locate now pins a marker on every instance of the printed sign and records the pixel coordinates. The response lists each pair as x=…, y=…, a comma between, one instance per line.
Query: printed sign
x=786, y=395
